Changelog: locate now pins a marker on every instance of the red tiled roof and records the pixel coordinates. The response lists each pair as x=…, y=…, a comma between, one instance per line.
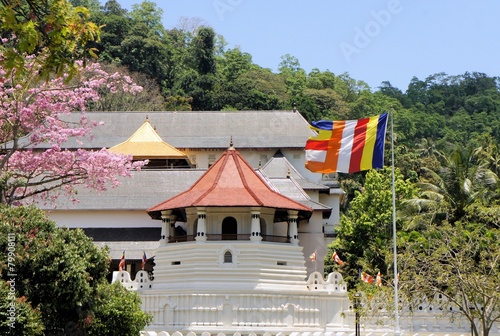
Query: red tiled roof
x=230, y=181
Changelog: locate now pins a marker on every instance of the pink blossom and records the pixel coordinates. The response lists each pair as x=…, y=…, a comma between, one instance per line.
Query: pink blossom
x=35, y=163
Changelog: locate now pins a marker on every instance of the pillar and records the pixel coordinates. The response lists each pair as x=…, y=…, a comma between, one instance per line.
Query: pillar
x=256, y=235
x=201, y=234
x=165, y=226
x=292, y=226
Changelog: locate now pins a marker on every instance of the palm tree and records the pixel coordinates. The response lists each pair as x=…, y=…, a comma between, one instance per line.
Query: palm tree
x=462, y=179
x=490, y=153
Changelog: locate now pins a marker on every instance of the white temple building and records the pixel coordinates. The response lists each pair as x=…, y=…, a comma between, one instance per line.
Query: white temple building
x=228, y=217
x=180, y=147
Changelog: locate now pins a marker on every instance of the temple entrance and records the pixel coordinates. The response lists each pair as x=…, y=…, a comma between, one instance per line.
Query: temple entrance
x=229, y=229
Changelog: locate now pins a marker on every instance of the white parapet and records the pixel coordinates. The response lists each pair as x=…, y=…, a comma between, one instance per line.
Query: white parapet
x=141, y=281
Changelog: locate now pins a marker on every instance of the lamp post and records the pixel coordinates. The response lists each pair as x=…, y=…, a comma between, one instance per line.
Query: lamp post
x=357, y=305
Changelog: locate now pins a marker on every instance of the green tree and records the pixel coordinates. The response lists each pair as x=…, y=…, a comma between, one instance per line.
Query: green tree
x=146, y=51
x=364, y=237
x=115, y=27
x=460, y=181
x=60, y=272
x=199, y=81
x=460, y=263
x=53, y=28
x=24, y=319
x=92, y=5
x=116, y=312
x=294, y=77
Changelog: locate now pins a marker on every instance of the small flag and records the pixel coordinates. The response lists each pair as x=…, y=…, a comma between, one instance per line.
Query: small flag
x=336, y=258
x=313, y=256
x=365, y=277
x=121, y=265
x=144, y=260
x=347, y=146
x=378, y=282
x=397, y=279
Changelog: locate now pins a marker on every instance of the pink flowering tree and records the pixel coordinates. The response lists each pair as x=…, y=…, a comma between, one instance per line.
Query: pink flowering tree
x=33, y=161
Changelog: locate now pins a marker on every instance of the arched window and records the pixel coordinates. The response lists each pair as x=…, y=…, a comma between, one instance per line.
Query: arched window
x=263, y=227
x=195, y=227
x=229, y=229
x=228, y=257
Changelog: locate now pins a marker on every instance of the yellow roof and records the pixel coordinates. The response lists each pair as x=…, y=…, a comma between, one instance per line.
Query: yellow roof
x=145, y=143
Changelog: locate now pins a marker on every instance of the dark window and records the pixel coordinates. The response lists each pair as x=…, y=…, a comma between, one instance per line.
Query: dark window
x=228, y=257
x=229, y=229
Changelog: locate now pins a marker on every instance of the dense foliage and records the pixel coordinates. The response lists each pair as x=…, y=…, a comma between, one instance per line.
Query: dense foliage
x=53, y=27
x=58, y=277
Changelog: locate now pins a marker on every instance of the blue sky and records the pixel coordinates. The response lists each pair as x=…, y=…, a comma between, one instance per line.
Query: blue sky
x=371, y=40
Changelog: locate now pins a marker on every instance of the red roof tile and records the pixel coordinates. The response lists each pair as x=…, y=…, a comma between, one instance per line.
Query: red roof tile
x=230, y=181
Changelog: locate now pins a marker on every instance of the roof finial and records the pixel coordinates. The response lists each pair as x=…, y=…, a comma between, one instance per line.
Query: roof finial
x=231, y=143
x=260, y=164
x=147, y=117
x=288, y=173
x=294, y=107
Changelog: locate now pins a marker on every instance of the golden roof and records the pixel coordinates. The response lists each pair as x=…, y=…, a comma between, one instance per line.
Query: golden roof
x=145, y=143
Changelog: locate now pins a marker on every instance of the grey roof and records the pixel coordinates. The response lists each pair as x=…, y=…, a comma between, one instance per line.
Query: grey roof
x=150, y=187
x=145, y=189
x=290, y=188
x=279, y=166
x=248, y=129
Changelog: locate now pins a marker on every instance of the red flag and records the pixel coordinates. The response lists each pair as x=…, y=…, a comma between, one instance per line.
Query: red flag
x=379, y=280
x=336, y=258
x=365, y=277
x=144, y=260
x=121, y=265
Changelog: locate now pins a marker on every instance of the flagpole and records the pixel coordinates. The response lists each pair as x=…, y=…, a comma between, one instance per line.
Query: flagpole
x=396, y=280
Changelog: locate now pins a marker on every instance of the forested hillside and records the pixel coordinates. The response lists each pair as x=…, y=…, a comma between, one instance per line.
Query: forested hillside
x=190, y=68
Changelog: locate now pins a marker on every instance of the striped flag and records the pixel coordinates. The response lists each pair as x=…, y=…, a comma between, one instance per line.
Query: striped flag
x=365, y=277
x=347, y=146
x=121, y=265
x=336, y=258
x=313, y=256
x=144, y=260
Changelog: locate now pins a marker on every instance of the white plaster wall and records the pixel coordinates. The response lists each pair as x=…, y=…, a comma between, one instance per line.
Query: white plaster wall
x=333, y=201
x=102, y=219
x=298, y=159
x=253, y=157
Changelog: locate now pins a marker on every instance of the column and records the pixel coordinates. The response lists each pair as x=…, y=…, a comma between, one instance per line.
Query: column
x=256, y=235
x=165, y=226
x=292, y=226
x=201, y=234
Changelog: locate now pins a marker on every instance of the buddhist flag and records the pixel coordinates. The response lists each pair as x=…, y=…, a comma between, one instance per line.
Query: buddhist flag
x=347, y=146
x=365, y=277
x=144, y=260
x=336, y=258
x=378, y=281
x=121, y=265
x=313, y=256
